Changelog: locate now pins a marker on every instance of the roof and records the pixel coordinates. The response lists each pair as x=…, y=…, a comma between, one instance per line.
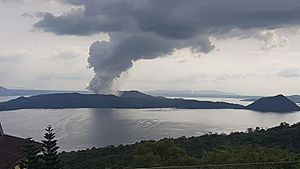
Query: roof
x=11, y=151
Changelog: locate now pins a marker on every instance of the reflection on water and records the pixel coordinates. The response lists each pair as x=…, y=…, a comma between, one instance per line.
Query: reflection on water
x=86, y=128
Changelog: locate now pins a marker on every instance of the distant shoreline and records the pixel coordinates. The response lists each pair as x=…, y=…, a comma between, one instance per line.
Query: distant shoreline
x=138, y=100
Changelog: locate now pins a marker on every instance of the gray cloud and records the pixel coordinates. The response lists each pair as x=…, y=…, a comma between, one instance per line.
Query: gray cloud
x=67, y=55
x=147, y=29
x=12, y=1
x=33, y=15
x=13, y=58
x=272, y=39
x=110, y=59
x=27, y=15
x=293, y=72
x=172, y=18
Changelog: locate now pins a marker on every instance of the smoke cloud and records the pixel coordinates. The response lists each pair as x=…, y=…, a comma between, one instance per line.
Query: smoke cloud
x=147, y=29
x=110, y=59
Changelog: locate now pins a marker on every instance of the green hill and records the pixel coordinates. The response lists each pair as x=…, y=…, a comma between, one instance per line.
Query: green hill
x=281, y=143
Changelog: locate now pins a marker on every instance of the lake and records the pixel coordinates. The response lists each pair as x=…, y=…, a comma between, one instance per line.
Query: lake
x=87, y=128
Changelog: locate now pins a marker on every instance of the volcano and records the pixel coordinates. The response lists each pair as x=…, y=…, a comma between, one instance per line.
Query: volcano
x=278, y=103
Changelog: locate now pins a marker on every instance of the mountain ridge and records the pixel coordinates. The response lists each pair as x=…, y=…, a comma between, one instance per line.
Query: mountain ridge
x=2, y=88
x=129, y=100
x=194, y=93
x=139, y=100
x=278, y=103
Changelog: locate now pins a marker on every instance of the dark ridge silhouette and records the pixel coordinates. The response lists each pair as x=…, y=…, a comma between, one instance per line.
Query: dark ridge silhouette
x=3, y=88
x=277, y=103
x=138, y=100
x=294, y=98
x=133, y=94
x=193, y=93
x=130, y=99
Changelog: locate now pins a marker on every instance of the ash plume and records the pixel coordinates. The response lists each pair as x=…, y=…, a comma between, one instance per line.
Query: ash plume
x=110, y=59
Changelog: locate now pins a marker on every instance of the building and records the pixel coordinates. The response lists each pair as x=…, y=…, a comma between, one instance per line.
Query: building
x=11, y=150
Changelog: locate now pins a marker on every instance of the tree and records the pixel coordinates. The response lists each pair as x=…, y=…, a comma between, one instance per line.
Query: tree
x=50, y=155
x=31, y=151
x=161, y=153
x=233, y=154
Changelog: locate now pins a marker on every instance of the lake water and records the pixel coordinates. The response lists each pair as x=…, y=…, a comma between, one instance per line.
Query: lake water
x=86, y=128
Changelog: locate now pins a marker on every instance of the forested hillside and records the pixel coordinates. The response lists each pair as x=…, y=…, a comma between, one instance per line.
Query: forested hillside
x=281, y=143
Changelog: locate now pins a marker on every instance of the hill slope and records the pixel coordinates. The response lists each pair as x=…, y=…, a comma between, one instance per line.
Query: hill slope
x=138, y=100
x=2, y=88
x=131, y=99
x=294, y=98
x=257, y=145
x=277, y=103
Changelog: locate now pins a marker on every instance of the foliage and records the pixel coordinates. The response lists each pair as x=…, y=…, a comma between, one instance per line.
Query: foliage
x=31, y=151
x=48, y=159
x=233, y=154
x=108, y=157
x=161, y=153
x=50, y=156
x=281, y=143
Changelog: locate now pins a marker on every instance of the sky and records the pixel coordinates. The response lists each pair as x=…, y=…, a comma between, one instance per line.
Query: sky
x=245, y=47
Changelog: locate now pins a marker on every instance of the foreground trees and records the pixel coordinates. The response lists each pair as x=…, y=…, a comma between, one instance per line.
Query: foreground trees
x=274, y=148
x=32, y=160
x=41, y=157
x=49, y=152
x=161, y=153
x=262, y=147
x=250, y=157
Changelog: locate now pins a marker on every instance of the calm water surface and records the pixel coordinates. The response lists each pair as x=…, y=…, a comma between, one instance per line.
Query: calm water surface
x=86, y=128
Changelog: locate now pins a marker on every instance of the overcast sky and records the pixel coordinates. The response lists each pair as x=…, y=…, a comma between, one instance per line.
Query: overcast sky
x=247, y=47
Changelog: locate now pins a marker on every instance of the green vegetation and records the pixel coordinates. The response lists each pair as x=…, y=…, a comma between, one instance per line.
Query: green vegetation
x=235, y=154
x=161, y=153
x=49, y=151
x=41, y=157
x=281, y=143
x=31, y=150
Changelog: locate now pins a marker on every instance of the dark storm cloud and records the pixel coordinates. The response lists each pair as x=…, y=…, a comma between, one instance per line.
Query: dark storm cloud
x=147, y=29
x=172, y=18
